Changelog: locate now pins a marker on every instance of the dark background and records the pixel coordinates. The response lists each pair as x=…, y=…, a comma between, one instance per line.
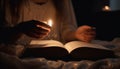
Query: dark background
x=106, y=22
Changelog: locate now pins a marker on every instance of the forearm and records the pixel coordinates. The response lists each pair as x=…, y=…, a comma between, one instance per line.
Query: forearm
x=9, y=34
x=69, y=36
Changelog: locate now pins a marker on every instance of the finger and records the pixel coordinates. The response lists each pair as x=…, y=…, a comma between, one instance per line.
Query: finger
x=42, y=28
x=36, y=35
x=40, y=31
x=41, y=24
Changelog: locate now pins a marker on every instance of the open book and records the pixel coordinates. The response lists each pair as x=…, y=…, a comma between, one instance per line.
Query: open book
x=73, y=49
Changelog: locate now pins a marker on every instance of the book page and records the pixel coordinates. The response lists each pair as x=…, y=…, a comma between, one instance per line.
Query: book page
x=45, y=43
x=70, y=46
x=45, y=48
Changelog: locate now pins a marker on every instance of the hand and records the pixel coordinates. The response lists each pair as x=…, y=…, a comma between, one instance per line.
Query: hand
x=34, y=28
x=85, y=33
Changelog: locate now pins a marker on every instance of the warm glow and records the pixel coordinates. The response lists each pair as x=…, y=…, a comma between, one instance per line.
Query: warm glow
x=44, y=22
x=50, y=22
x=106, y=8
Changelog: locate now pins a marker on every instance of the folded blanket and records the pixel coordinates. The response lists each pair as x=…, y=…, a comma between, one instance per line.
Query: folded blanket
x=14, y=62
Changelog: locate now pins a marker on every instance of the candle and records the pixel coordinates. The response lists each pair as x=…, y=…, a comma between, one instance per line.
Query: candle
x=50, y=22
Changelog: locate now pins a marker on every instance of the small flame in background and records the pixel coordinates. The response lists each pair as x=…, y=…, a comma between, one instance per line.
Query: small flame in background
x=50, y=22
x=106, y=8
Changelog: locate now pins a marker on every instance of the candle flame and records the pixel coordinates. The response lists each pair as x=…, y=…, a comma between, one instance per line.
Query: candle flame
x=106, y=8
x=50, y=22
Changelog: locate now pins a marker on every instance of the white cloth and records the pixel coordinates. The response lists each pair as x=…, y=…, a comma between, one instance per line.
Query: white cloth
x=60, y=11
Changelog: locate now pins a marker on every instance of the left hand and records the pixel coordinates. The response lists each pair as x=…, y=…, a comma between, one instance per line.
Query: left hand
x=85, y=33
x=34, y=28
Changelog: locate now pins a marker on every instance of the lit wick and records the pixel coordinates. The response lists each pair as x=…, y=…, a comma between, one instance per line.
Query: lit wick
x=50, y=22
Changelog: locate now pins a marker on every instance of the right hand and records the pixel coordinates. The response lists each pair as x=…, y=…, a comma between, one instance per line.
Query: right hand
x=34, y=28
x=85, y=33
